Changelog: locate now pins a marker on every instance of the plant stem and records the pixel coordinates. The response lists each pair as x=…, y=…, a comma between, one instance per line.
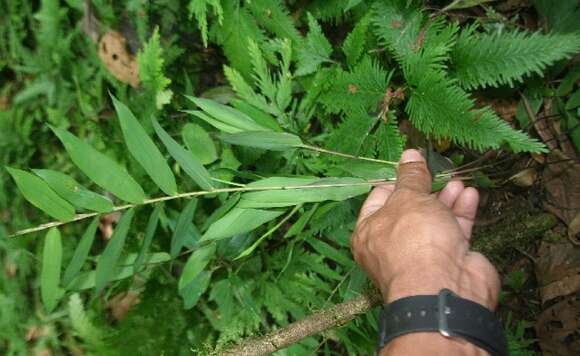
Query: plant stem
x=346, y=155
x=199, y=193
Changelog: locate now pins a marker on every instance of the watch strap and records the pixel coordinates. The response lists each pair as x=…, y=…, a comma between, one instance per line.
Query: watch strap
x=446, y=313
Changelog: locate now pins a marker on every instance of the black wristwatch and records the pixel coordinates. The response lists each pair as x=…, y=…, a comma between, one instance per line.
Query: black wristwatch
x=447, y=314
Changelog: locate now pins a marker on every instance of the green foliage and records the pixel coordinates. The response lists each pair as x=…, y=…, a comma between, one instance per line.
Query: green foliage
x=276, y=94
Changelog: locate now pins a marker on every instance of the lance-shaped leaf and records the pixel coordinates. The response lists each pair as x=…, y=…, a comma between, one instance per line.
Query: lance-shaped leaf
x=196, y=262
x=39, y=194
x=336, y=189
x=50, y=290
x=149, y=233
x=193, y=291
x=227, y=115
x=191, y=165
x=182, y=228
x=269, y=140
x=101, y=169
x=109, y=258
x=125, y=269
x=199, y=143
x=76, y=194
x=81, y=253
x=239, y=221
x=143, y=149
x=213, y=122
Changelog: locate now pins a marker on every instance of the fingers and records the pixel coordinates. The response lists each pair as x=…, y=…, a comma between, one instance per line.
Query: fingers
x=375, y=200
x=413, y=173
x=451, y=192
x=465, y=210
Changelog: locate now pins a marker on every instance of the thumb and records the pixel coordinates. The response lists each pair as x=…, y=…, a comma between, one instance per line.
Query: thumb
x=413, y=173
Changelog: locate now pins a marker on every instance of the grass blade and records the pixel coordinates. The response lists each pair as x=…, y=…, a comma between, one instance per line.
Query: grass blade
x=239, y=221
x=81, y=253
x=149, y=233
x=182, y=228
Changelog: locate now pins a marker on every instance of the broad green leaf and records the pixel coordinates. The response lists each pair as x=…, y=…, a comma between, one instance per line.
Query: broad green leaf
x=182, y=227
x=196, y=262
x=101, y=169
x=81, y=253
x=185, y=158
x=574, y=100
x=227, y=115
x=143, y=149
x=110, y=257
x=76, y=194
x=318, y=191
x=275, y=141
x=193, y=291
x=125, y=269
x=259, y=116
x=199, y=143
x=149, y=233
x=239, y=221
x=50, y=290
x=39, y=194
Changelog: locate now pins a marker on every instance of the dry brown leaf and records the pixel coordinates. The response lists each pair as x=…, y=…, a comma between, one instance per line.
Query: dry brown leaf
x=106, y=224
x=525, y=178
x=561, y=179
x=122, y=303
x=558, y=270
x=36, y=332
x=557, y=328
x=114, y=54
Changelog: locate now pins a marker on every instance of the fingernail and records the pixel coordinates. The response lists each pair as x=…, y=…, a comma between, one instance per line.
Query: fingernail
x=411, y=156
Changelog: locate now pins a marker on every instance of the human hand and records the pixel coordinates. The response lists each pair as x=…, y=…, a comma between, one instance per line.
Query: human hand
x=411, y=242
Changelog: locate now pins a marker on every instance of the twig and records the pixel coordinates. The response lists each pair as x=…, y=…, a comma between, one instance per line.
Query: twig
x=346, y=155
x=313, y=324
x=199, y=193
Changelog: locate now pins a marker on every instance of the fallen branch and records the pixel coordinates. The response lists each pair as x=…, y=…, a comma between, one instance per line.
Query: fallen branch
x=314, y=324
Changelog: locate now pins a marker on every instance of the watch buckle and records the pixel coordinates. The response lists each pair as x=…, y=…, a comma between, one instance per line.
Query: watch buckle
x=443, y=312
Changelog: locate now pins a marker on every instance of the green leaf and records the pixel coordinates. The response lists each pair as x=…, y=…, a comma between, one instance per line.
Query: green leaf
x=221, y=211
x=574, y=100
x=463, y=4
x=107, y=263
x=354, y=44
x=125, y=269
x=81, y=253
x=39, y=194
x=315, y=191
x=143, y=149
x=227, y=115
x=239, y=221
x=101, y=169
x=149, y=233
x=50, y=290
x=182, y=227
x=199, y=143
x=275, y=141
x=185, y=158
x=316, y=50
x=76, y=194
x=195, y=264
x=194, y=290
x=330, y=252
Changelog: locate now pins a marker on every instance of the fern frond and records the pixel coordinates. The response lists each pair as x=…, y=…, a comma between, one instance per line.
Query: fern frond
x=355, y=43
x=389, y=141
x=439, y=107
x=483, y=60
x=398, y=25
x=352, y=132
x=363, y=87
x=261, y=75
x=315, y=51
x=275, y=17
x=199, y=9
x=81, y=323
x=151, y=70
x=238, y=26
x=245, y=91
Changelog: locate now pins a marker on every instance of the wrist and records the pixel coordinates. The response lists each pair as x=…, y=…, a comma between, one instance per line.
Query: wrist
x=430, y=343
x=421, y=282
